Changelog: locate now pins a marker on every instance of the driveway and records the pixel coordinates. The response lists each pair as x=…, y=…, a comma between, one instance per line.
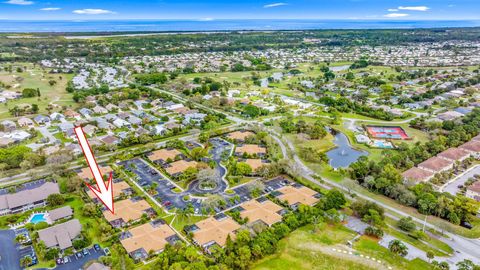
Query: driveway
x=452, y=188
x=9, y=255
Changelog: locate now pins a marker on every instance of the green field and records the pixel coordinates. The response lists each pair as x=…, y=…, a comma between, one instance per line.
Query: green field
x=306, y=249
x=35, y=77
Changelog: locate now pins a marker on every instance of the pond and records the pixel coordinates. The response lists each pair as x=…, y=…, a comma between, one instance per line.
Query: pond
x=344, y=154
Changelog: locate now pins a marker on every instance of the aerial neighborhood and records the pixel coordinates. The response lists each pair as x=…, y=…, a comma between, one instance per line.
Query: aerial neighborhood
x=241, y=150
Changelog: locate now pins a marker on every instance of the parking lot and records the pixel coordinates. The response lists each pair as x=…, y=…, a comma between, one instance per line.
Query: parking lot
x=9, y=254
x=29, y=185
x=77, y=261
x=147, y=175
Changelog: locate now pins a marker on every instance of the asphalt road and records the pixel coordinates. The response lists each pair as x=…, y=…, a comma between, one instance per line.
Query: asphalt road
x=9, y=255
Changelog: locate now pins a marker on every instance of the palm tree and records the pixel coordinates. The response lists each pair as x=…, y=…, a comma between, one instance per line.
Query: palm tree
x=20, y=238
x=26, y=261
x=397, y=247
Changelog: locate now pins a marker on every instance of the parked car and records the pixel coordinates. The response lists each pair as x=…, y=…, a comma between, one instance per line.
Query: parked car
x=79, y=255
x=59, y=261
x=107, y=251
x=96, y=247
x=86, y=252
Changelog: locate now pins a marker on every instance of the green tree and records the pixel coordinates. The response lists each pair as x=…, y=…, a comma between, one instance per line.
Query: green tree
x=397, y=247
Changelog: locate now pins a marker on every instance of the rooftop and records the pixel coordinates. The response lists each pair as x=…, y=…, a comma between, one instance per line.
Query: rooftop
x=435, y=164
x=180, y=166
x=212, y=230
x=28, y=196
x=254, y=163
x=294, y=195
x=454, y=154
x=473, y=146
x=240, y=135
x=417, y=174
x=266, y=211
x=148, y=237
x=127, y=210
x=164, y=154
x=251, y=149
x=118, y=188
x=86, y=173
x=61, y=234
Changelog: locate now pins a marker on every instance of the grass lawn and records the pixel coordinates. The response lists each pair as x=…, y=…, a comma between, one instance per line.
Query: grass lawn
x=180, y=222
x=442, y=247
x=305, y=249
x=36, y=78
x=370, y=247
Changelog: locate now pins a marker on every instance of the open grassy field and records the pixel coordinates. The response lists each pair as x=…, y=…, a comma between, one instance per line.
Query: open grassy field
x=35, y=77
x=307, y=249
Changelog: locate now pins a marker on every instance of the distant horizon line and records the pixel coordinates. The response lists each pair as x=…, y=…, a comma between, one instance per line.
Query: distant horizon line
x=240, y=19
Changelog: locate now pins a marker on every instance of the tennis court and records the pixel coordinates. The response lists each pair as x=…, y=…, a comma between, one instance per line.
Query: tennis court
x=385, y=132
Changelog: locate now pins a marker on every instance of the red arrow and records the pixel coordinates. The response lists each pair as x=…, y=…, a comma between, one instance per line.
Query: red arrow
x=104, y=191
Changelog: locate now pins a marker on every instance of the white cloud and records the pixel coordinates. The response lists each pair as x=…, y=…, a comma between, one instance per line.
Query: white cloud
x=392, y=9
x=415, y=8
x=275, y=5
x=19, y=2
x=396, y=15
x=50, y=9
x=93, y=11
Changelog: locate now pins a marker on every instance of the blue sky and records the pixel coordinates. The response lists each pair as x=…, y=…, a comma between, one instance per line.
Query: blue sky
x=246, y=9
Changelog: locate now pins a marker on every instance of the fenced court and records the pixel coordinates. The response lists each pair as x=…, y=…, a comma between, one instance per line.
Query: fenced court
x=386, y=132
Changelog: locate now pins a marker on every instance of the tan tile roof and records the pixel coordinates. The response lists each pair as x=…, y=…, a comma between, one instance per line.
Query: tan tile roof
x=473, y=146
x=476, y=138
x=148, y=237
x=117, y=189
x=265, y=211
x=435, y=164
x=127, y=210
x=454, y=154
x=295, y=195
x=240, y=135
x=417, y=174
x=86, y=173
x=255, y=163
x=180, y=166
x=164, y=154
x=251, y=149
x=212, y=230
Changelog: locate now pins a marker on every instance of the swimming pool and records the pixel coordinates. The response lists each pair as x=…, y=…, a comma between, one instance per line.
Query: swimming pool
x=37, y=218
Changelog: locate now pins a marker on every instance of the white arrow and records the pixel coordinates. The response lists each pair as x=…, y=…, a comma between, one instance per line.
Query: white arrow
x=104, y=192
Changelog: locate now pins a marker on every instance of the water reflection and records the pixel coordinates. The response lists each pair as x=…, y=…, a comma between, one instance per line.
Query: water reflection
x=343, y=155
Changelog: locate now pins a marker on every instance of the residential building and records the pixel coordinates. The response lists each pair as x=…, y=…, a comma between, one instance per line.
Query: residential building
x=297, y=194
x=417, y=175
x=436, y=165
x=61, y=235
x=164, y=155
x=127, y=211
x=261, y=210
x=213, y=231
x=27, y=199
x=140, y=241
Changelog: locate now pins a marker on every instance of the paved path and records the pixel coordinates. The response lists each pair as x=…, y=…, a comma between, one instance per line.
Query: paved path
x=452, y=187
x=467, y=248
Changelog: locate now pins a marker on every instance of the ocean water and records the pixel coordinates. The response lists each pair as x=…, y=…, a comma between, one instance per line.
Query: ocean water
x=216, y=25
